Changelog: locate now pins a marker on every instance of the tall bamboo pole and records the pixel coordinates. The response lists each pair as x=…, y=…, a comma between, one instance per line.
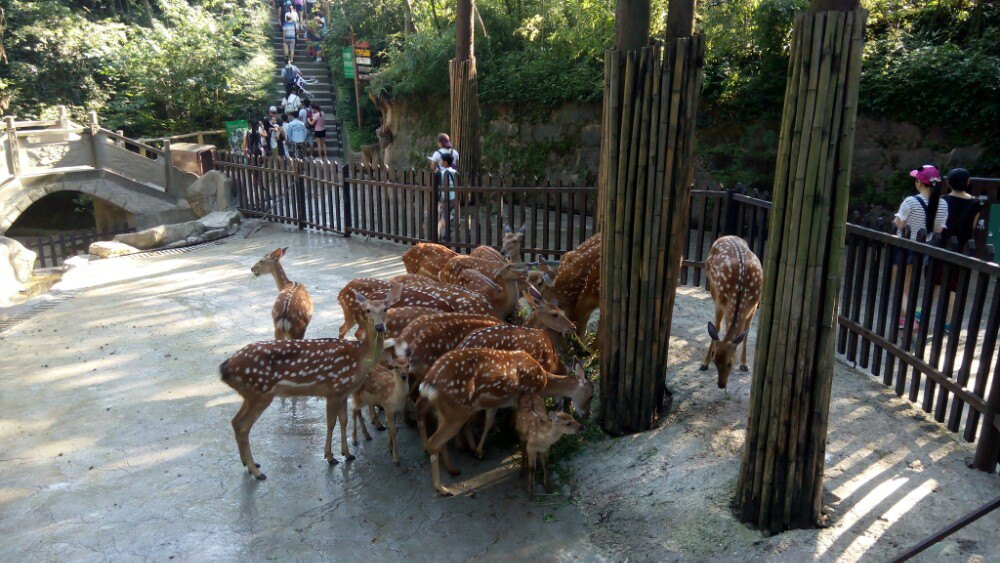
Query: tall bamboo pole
x=781, y=478
x=465, y=90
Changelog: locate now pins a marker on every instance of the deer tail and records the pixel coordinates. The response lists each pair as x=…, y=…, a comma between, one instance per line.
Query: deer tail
x=224, y=370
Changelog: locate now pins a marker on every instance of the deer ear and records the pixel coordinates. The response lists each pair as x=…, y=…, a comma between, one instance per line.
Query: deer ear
x=578, y=370
x=394, y=295
x=523, y=229
x=481, y=277
x=281, y=251
x=742, y=335
x=712, y=331
x=535, y=296
x=506, y=229
x=360, y=297
x=543, y=266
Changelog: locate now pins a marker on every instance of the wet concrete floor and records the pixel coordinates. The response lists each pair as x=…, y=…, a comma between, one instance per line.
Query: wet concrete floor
x=115, y=441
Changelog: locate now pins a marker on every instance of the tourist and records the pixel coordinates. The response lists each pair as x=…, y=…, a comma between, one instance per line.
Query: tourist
x=290, y=74
x=284, y=134
x=444, y=147
x=292, y=103
x=278, y=139
x=963, y=209
x=315, y=28
x=289, y=30
x=251, y=140
x=297, y=135
x=317, y=122
x=304, y=114
x=925, y=210
x=446, y=183
x=310, y=7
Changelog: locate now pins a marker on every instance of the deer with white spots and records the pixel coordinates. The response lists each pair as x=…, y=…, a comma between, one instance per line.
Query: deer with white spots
x=510, y=249
x=293, y=308
x=460, y=299
x=549, y=319
x=386, y=387
x=735, y=279
x=378, y=289
x=576, y=287
x=331, y=367
x=497, y=282
x=539, y=430
x=463, y=382
x=427, y=258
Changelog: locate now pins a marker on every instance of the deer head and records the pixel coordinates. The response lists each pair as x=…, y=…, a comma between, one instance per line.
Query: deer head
x=724, y=352
x=374, y=311
x=584, y=392
x=564, y=423
x=545, y=315
x=512, y=242
x=269, y=263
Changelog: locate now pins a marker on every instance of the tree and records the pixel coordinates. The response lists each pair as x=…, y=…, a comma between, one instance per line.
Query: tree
x=465, y=90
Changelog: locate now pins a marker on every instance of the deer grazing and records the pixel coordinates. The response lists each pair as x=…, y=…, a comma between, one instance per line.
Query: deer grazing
x=548, y=318
x=510, y=249
x=497, y=282
x=463, y=382
x=378, y=289
x=577, y=284
x=539, y=431
x=427, y=259
x=293, y=308
x=332, y=368
x=735, y=279
x=386, y=387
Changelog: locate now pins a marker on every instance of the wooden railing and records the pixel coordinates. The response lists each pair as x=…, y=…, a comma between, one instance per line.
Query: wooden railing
x=53, y=250
x=198, y=137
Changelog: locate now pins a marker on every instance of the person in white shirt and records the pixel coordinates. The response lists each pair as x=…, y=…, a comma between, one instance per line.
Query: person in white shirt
x=926, y=210
x=444, y=147
x=446, y=198
x=292, y=103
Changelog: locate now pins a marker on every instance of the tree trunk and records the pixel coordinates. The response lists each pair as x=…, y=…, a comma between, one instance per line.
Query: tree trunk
x=464, y=41
x=781, y=478
x=680, y=18
x=631, y=25
x=408, y=27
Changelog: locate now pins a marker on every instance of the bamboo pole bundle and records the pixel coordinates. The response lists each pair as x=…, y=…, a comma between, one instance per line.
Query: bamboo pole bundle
x=465, y=113
x=647, y=152
x=781, y=479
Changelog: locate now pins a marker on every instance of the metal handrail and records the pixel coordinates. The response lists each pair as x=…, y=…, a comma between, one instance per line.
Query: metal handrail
x=948, y=530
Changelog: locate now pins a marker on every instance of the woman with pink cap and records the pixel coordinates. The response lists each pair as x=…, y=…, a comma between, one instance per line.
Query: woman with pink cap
x=925, y=210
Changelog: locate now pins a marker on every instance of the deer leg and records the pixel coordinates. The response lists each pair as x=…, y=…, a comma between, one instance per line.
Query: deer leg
x=531, y=473
x=375, y=421
x=545, y=471
x=743, y=361
x=236, y=431
x=468, y=435
x=421, y=408
x=349, y=322
x=331, y=420
x=342, y=416
x=438, y=442
x=364, y=428
x=524, y=458
x=491, y=415
x=711, y=345
x=250, y=416
x=390, y=419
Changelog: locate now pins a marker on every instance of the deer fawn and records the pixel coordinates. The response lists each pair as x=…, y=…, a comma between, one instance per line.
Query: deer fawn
x=293, y=308
x=330, y=368
x=463, y=382
x=510, y=249
x=577, y=285
x=378, y=289
x=735, y=279
x=386, y=387
x=427, y=258
x=539, y=431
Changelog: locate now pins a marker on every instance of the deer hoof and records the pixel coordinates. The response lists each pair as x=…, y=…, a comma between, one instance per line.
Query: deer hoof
x=479, y=455
x=445, y=493
x=257, y=465
x=454, y=473
x=396, y=463
x=367, y=439
x=704, y=367
x=349, y=457
x=355, y=442
x=332, y=460
x=261, y=477
x=744, y=368
x=382, y=429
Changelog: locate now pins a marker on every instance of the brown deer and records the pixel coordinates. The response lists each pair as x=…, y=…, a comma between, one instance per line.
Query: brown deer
x=386, y=387
x=332, y=368
x=539, y=430
x=498, y=283
x=463, y=382
x=550, y=319
x=427, y=258
x=510, y=249
x=398, y=318
x=462, y=300
x=293, y=308
x=735, y=279
x=577, y=285
x=378, y=289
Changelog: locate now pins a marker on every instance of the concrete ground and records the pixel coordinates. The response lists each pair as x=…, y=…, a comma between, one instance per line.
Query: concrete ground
x=115, y=443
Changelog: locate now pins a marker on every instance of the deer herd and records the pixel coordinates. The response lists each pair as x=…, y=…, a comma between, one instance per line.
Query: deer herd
x=445, y=341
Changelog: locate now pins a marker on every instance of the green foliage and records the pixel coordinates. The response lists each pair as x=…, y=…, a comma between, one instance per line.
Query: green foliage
x=188, y=67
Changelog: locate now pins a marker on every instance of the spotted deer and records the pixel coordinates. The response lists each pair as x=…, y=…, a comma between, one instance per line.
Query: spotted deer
x=735, y=279
x=510, y=248
x=378, y=289
x=538, y=431
x=576, y=287
x=463, y=382
x=398, y=318
x=386, y=387
x=462, y=300
x=498, y=283
x=293, y=308
x=427, y=258
x=548, y=318
x=331, y=367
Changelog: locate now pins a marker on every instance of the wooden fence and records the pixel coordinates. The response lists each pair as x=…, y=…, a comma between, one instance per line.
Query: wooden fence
x=53, y=250
x=950, y=373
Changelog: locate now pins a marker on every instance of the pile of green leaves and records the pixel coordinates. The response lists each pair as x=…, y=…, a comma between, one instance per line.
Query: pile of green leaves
x=163, y=66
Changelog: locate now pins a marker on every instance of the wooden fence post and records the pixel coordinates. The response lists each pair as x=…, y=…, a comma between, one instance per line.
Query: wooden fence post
x=731, y=212
x=96, y=140
x=433, y=211
x=345, y=174
x=62, y=122
x=988, y=448
x=168, y=170
x=300, y=193
x=781, y=478
x=13, y=148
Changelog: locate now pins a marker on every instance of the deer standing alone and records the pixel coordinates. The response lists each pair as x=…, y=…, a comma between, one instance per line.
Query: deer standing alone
x=539, y=430
x=331, y=367
x=463, y=382
x=735, y=279
x=293, y=308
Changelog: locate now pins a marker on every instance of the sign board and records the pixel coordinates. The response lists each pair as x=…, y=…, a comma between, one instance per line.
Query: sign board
x=993, y=227
x=235, y=130
x=363, y=60
x=348, y=58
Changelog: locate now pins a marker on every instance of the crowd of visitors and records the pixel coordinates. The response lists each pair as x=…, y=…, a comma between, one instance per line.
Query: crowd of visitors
x=295, y=128
x=298, y=19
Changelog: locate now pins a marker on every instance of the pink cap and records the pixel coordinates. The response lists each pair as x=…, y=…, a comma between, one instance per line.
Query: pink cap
x=926, y=174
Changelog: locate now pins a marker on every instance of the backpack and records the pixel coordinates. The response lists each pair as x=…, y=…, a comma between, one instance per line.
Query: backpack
x=289, y=74
x=296, y=132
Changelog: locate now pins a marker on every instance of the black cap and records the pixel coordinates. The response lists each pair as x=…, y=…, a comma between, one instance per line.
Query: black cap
x=958, y=178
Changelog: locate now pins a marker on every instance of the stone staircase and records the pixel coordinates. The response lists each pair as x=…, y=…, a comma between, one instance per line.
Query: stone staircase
x=320, y=93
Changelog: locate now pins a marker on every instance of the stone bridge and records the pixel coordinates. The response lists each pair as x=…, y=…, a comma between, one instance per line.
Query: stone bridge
x=129, y=181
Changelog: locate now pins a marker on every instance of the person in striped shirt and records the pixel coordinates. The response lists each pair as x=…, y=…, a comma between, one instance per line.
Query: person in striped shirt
x=926, y=210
